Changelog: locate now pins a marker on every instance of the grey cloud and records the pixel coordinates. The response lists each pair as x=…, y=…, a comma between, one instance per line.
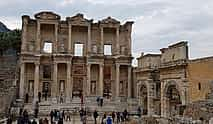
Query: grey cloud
x=158, y=23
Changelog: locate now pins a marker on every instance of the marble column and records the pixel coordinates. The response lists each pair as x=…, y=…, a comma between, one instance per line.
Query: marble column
x=54, y=90
x=24, y=34
x=101, y=83
x=117, y=41
x=22, y=81
x=129, y=81
x=36, y=81
x=55, y=48
x=102, y=41
x=89, y=40
x=68, y=88
x=117, y=79
x=70, y=39
x=88, y=79
x=38, y=37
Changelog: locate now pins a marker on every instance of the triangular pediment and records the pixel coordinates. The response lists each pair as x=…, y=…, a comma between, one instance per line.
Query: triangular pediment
x=78, y=18
x=46, y=15
x=109, y=20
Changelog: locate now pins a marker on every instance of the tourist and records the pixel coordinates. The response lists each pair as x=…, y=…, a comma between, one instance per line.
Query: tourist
x=40, y=121
x=101, y=101
x=109, y=120
x=60, y=121
x=118, y=117
x=20, y=119
x=34, y=122
x=55, y=115
x=9, y=120
x=103, y=121
x=113, y=116
x=139, y=111
x=125, y=114
x=36, y=109
x=95, y=115
x=121, y=116
x=63, y=115
x=81, y=112
x=45, y=121
x=84, y=119
x=27, y=98
x=68, y=116
x=39, y=96
x=98, y=100
x=51, y=116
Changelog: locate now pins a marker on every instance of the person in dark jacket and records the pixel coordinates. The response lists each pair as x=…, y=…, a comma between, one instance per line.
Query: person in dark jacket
x=51, y=116
x=113, y=116
x=95, y=115
x=118, y=116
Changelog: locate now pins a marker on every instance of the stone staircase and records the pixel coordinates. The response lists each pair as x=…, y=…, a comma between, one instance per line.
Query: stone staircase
x=90, y=105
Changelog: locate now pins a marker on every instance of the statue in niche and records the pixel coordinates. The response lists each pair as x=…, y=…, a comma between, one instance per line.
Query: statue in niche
x=61, y=86
x=93, y=87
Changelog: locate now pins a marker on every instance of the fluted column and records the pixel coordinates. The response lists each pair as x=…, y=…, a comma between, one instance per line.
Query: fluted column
x=36, y=81
x=38, y=37
x=117, y=41
x=100, y=79
x=89, y=40
x=55, y=83
x=68, y=88
x=129, y=81
x=56, y=39
x=22, y=80
x=70, y=39
x=102, y=41
x=117, y=80
x=88, y=79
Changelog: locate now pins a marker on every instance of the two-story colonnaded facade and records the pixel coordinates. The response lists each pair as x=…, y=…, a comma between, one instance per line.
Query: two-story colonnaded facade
x=63, y=59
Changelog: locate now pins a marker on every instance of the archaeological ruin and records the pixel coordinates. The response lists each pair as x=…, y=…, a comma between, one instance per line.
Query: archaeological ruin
x=68, y=64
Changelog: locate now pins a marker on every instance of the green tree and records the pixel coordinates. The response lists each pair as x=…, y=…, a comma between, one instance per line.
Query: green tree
x=11, y=39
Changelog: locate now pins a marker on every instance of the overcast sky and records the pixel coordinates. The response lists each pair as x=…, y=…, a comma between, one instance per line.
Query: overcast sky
x=158, y=23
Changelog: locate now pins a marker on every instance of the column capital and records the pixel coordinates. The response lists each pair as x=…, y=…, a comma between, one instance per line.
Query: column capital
x=117, y=65
x=37, y=63
x=101, y=64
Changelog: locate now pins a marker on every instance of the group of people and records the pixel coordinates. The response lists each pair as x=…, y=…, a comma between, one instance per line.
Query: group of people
x=100, y=101
x=60, y=116
x=110, y=118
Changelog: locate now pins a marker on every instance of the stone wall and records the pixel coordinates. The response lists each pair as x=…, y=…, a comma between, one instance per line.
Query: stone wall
x=200, y=77
x=7, y=82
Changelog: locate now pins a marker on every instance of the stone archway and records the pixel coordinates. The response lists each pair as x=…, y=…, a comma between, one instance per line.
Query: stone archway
x=172, y=99
x=143, y=98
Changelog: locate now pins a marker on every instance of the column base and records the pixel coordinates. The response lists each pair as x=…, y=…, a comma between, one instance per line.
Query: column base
x=54, y=100
x=68, y=100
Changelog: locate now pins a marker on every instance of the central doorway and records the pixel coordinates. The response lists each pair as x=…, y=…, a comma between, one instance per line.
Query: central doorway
x=46, y=89
x=77, y=87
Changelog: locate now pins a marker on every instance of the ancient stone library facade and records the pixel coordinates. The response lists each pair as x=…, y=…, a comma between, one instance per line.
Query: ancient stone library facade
x=64, y=59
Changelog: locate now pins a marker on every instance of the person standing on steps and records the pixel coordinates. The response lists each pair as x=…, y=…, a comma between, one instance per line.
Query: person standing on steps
x=39, y=96
x=95, y=115
x=98, y=100
x=101, y=101
x=27, y=98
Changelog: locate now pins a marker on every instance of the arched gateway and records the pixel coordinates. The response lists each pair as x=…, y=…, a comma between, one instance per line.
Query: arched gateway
x=172, y=99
